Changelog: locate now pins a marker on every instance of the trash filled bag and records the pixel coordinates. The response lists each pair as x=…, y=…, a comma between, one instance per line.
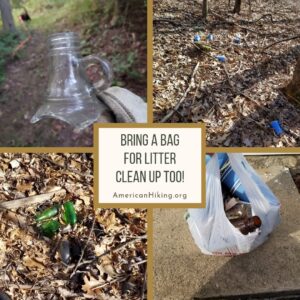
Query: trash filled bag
x=211, y=229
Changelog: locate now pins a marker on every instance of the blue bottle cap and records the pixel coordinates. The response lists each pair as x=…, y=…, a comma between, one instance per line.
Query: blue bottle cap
x=210, y=37
x=277, y=127
x=221, y=58
x=197, y=38
x=237, y=40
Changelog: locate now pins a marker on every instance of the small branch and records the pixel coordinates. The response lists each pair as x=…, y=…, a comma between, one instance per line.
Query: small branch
x=139, y=263
x=171, y=113
x=236, y=92
x=32, y=200
x=283, y=40
x=63, y=167
x=20, y=46
x=83, y=250
x=123, y=245
x=232, y=23
x=166, y=21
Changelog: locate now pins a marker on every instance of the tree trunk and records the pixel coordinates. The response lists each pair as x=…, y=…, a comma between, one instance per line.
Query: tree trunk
x=204, y=9
x=292, y=90
x=7, y=18
x=237, y=6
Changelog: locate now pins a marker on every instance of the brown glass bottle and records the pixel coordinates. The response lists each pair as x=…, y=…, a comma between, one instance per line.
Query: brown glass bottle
x=246, y=225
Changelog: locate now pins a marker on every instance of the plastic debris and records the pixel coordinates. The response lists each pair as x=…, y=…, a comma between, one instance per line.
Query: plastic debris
x=210, y=37
x=197, y=38
x=237, y=40
x=221, y=58
x=277, y=127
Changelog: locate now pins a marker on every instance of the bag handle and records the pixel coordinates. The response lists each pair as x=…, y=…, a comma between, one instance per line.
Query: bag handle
x=214, y=196
x=245, y=173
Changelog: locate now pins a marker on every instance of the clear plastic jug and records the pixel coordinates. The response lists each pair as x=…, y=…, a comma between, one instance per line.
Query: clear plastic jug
x=71, y=97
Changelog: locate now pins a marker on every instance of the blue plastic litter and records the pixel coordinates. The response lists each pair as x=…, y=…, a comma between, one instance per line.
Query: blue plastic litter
x=197, y=38
x=210, y=37
x=237, y=40
x=221, y=58
x=277, y=127
x=229, y=178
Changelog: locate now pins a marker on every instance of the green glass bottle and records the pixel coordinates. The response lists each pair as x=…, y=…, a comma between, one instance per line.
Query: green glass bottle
x=47, y=213
x=69, y=214
x=50, y=228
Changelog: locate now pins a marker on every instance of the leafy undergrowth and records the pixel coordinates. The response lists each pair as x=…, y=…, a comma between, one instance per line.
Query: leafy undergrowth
x=116, y=35
x=237, y=107
x=108, y=250
x=8, y=42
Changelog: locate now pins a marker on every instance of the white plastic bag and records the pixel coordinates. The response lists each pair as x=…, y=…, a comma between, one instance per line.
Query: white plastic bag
x=210, y=228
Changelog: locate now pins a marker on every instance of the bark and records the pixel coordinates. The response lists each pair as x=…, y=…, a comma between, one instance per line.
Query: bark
x=7, y=17
x=237, y=6
x=204, y=9
x=292, y=90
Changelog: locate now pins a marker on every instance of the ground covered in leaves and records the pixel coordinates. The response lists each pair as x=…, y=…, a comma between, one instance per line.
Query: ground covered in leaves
x=238, y=99
x=108, y=248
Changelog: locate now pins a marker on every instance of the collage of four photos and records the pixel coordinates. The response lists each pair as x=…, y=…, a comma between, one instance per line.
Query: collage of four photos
x=230, y=66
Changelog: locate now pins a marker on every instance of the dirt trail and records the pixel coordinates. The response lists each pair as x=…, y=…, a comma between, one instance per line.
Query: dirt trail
x=20, y=96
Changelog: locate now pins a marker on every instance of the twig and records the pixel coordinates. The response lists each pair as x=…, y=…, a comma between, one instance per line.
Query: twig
x=99, y=286
x=83, y=250
x=232, y=23
x=171, y=113
x=121, y=216
x=165, y=20
x=236, y=92
x=283, y=40
x=20, y=46
x=139, y=263
x=64, y=167
x=262, y=17
x=123, y=245
x=32, y=200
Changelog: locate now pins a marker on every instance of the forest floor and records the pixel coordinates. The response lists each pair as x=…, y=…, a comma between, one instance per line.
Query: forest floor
x=24, y=87
x=102, y=255
x=237, y=100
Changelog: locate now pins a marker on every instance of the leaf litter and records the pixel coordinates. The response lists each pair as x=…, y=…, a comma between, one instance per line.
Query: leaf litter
x=238, y=107
x=107, y=247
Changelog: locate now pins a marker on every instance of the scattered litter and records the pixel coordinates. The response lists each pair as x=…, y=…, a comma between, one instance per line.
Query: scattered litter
x=237, y=40
x=221, y=58
x=210, y=37
x=214, y=228
x=277, y=127
x=14, y=164
x=197, y=38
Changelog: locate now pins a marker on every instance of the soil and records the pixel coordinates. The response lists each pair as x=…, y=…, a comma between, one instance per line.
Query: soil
x=26, y=80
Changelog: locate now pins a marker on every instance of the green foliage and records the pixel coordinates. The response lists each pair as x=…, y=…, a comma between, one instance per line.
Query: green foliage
x=8, y=42
x=117, y=11
x=124, y=65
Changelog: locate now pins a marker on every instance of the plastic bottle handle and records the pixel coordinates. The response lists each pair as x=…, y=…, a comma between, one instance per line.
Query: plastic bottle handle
x=92, y=60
